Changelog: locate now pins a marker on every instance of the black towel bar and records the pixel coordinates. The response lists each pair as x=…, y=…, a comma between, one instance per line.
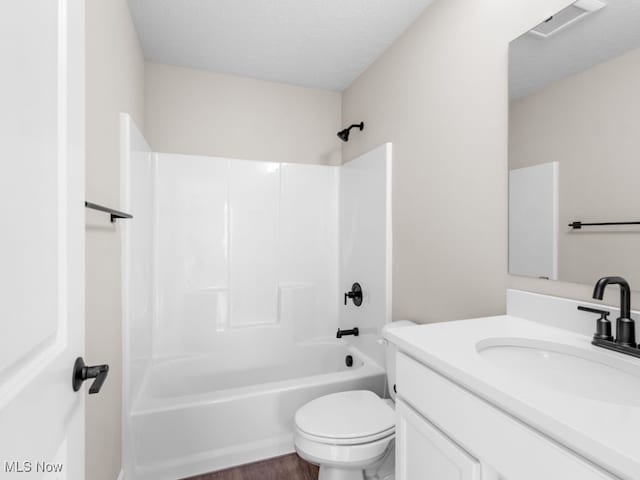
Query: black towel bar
x=115, y=214
x=579, y=225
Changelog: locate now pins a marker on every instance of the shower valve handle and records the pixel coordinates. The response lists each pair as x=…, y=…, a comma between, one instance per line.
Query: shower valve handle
x=347, y=295
x=355, y=294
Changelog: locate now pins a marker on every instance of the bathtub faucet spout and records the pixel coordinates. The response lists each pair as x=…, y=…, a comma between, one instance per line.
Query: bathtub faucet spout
x=353, y=331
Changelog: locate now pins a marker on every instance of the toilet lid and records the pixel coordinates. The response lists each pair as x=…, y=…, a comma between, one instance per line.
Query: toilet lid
x=346, y=415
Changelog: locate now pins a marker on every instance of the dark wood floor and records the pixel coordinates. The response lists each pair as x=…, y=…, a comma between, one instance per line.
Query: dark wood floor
x=288, y=467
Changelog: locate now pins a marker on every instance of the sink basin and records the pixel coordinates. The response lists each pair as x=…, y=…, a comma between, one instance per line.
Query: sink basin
x=566, y=369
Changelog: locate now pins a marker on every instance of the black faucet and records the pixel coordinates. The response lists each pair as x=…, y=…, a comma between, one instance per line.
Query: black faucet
x=625, y=326
x=353, y=331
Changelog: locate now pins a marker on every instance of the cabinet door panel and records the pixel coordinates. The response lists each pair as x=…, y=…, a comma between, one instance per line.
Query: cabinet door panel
x=424, y=453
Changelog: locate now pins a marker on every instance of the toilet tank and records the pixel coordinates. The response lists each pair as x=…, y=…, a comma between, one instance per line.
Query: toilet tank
x=390, y=354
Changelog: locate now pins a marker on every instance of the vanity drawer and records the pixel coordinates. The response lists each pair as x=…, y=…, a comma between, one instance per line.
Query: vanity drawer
x=501, y=442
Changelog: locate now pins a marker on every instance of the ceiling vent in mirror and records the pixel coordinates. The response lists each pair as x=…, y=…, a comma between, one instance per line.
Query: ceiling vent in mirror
x=561, y=20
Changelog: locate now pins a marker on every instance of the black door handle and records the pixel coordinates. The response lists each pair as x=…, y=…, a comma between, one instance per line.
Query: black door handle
x=82, y=372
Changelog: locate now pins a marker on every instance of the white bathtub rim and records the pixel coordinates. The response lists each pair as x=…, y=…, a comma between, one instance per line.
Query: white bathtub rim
x=176, y=358
x=223, y=396
x=369, y=368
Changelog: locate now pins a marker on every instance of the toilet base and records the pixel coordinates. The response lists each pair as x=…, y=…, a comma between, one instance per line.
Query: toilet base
x=333, y=473
x=383, y=469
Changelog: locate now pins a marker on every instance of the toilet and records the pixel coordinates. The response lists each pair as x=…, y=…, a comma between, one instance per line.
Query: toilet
x=350, y=435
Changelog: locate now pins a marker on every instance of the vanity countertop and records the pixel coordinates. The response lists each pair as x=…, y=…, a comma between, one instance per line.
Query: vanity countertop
x=602, y=426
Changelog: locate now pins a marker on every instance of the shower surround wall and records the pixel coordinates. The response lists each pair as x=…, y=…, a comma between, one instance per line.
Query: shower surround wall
x=232, y=296
x=366, y=245
x=136, y=196
x=243, y=244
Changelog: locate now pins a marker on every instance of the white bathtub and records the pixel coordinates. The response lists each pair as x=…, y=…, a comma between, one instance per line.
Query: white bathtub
x=200, y=414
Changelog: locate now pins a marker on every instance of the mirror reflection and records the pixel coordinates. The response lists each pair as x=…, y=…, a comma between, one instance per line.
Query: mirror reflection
x=574, y=145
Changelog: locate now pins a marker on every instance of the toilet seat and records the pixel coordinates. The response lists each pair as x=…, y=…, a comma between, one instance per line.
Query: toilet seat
x=346, y=441
x=346, y=418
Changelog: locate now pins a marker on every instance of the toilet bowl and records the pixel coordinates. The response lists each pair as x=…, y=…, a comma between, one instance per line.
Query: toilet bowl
x=350, y=435
x=345, y=433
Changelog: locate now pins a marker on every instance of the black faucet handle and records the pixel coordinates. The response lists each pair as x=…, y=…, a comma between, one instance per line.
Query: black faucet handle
x=603, y=313
x=355, y=294
x=603, y=325
x=347, y=295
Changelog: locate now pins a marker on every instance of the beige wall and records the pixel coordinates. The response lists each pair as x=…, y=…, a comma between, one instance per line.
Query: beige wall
x=588, y=123
x=440, y=95
x=196, y=112
x=115, y=82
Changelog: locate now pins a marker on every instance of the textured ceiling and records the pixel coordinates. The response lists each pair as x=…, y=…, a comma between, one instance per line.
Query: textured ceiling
x=313, y=43
x=608, y=33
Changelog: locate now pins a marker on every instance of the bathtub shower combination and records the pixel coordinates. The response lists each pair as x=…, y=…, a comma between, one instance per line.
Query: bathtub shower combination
x=233, y=279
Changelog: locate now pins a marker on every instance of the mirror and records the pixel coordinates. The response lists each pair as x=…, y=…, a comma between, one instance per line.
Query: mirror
x=574, y=145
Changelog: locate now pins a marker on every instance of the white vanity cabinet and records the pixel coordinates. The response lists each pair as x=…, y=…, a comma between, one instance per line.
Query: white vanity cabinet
x=423, y=452
x=446, y=432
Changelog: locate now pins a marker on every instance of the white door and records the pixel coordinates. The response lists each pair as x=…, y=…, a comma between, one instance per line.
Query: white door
x=424, y=453
x=41, y=238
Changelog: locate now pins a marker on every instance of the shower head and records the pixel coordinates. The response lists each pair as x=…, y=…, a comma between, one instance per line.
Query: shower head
x=344, y=134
